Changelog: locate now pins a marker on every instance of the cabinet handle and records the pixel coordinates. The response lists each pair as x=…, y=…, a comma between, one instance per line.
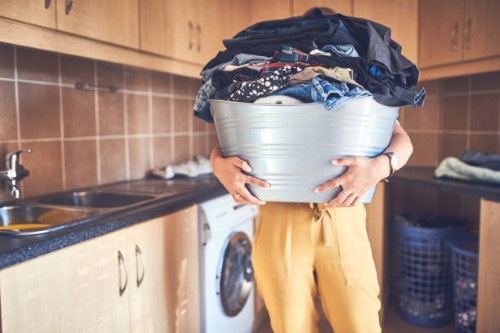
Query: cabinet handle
x=191, y=28
x=121, y=262
x=69, y=5
x=198, y=30
x=47, y=4
x=467, y=30
x=454, y=32
x=139, y=254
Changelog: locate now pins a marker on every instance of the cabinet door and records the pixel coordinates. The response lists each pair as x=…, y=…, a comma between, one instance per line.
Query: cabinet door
x=75, y=289
x=212, y=26
x=158, y=26
x=264, y=10
x=111, y=21
x=399, y=15
x=481, y=29
x=340, y=6
x=167, y=299
x=38, y=12
x=441, y=37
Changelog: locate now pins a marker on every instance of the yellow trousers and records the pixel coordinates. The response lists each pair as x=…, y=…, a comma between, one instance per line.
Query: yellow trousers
x=292, y=241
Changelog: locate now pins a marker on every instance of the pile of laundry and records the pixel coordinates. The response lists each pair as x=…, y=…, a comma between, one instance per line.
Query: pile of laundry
x=314, y=58
x=471, y=166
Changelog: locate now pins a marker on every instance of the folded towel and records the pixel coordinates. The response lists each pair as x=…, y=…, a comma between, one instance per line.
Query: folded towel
x=454, y=168
x=191, y=168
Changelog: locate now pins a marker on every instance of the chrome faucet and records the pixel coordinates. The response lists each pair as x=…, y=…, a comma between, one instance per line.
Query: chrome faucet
x=15, y=171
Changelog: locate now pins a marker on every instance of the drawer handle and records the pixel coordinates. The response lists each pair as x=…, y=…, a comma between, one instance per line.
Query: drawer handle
x=198, y=29
x=454, y=32
x=47, y=4
x=69, y=6
x=139, y=254
x=468, y=42
x=121, y=262
x=191, y=28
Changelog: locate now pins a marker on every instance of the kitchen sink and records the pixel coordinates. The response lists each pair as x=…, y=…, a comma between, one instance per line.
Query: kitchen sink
x=37, y=219
x=160, y=187
x=94, y=199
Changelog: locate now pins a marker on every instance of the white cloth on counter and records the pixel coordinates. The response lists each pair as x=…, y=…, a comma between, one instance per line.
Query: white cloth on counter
x=454, y=168
x=191, y=168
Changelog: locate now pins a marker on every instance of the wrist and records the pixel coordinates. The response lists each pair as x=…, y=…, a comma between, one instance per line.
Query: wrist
x=382, y=167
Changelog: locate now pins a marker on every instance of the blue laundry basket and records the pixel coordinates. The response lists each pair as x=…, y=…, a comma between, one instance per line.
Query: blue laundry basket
x=465, y=258
x=425, y=276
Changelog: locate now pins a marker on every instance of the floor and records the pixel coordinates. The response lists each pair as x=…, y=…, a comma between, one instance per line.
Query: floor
x=393, y=324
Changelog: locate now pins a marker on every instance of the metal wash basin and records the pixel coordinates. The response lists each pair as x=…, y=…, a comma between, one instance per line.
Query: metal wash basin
x=94, y=199
x=37, y=219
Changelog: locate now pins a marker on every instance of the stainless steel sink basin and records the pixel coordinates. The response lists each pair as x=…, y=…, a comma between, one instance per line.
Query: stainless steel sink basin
x=94, y=199
x=160, y=187
x=36, y=219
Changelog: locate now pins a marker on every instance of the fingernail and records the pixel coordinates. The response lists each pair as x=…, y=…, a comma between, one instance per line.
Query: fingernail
x=316, y=190
x=334, y=162
x=262, y=203
x=247, y=168
x=267, y=185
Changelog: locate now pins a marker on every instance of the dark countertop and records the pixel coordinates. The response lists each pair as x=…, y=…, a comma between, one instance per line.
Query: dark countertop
x=424, y=176
x=16, y=249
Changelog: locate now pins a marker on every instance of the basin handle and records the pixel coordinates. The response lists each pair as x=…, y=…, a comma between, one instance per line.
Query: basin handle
x=139, y=254
x=121, y=262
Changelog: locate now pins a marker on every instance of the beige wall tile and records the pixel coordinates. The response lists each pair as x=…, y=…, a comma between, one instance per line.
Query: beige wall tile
x=485, y=81
x=8, y=115
x=36, y=65
x=80, y=161
x=456, y=85
x=453, y=145
x=39, y=111
x=432, y=88
x=485, y=143
x=111, y=114
x=426, y=149
x=44, y=165
x=182, y=144
x=161, y=115
x=110, y=75
x=74, y=69
x=199, y=125
x=78, y=112
x=484, y=112
x=160, y=83
x=162, y=152
x=213, y=141
x=183, y=86
x=139, y=157
x=182, y=115
x=113, y=165
x=137, y=114
x=200, y=146
x=137, y=79
x=6, y=60
x=427, y=117
x=6, y=148
x=455, y=113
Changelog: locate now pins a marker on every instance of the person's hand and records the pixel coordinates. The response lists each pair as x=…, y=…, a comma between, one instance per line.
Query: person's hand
x=361, y=175
x=229, y=172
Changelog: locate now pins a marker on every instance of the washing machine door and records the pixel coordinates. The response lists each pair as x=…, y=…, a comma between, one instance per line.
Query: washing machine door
x=235, y=273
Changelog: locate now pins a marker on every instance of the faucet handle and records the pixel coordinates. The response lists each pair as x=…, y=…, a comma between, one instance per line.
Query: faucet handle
x=12, y=159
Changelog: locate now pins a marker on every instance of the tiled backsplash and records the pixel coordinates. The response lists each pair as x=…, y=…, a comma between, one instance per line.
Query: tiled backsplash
x=459, y=114
x=86, y=137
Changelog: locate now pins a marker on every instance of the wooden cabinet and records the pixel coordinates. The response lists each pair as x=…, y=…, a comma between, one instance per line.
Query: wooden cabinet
x=140, y=279
x=264, y=10
x=111, y=21
x=458, y=30
x=344, y=7
x=399, y=15
x=37, y=12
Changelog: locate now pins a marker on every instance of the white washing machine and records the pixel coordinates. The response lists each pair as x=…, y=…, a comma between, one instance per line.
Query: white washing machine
x=226, y=275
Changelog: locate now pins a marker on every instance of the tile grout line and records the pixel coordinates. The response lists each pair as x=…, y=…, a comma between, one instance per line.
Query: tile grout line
x=61, y=120
x=150, y=122
x=125, y=128
x=172, y=119
x=97, y=129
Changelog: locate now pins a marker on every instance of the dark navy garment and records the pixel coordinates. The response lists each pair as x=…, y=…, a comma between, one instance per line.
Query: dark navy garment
x=480, y=159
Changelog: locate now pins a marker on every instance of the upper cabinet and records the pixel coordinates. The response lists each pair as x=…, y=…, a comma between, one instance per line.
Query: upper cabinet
x=344, y=7
x=111, y=21
x=399, y=15
x=265, y=10
x=454, y=31
x=38, y=12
